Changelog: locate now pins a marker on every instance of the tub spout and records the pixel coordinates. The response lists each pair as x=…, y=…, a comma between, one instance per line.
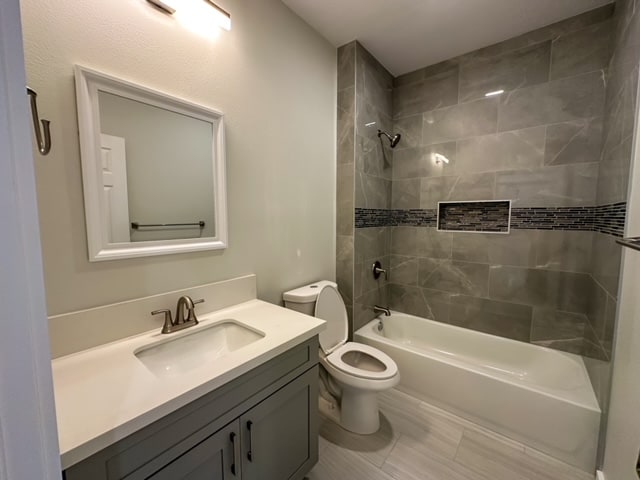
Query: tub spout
x=379, y=309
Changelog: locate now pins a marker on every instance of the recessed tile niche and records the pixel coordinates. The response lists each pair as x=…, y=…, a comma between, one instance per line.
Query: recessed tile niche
x=491, y=216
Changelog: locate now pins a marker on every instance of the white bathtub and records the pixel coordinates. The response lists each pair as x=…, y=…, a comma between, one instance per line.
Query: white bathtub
x=540, y=397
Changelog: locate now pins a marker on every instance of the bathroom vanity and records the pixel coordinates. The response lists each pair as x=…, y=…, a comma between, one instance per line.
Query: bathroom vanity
x=234, y=397
x=261, y=425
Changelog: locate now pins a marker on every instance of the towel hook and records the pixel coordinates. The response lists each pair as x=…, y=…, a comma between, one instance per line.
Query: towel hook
x=44, y=145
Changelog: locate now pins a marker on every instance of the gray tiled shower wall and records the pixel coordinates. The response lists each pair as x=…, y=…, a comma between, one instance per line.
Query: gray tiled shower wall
x=538, y=144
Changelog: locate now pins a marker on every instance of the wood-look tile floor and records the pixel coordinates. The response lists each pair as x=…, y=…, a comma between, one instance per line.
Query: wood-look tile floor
x=417, y=441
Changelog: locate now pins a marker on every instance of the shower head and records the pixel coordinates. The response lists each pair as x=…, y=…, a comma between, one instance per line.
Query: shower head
x=394, y=140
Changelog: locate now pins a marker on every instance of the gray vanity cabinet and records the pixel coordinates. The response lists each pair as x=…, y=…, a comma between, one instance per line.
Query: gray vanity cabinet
x=212, y=459
x=260, y=426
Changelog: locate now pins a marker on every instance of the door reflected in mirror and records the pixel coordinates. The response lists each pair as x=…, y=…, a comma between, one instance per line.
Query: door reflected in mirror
x=153, y=170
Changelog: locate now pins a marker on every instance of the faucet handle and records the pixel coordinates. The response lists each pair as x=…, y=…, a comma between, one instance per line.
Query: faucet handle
x=191, y=316
x=168, y=321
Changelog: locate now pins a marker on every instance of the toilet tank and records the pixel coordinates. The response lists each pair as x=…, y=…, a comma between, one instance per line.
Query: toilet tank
x=303, y=299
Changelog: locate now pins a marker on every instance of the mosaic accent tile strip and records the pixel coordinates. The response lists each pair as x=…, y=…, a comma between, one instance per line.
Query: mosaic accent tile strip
x=490, y=217
x=608, y=219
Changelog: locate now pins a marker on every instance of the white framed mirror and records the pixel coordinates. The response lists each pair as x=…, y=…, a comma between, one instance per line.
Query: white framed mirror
x=153, y=170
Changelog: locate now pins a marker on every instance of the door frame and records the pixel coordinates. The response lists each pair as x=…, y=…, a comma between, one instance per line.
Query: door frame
x=28, y=433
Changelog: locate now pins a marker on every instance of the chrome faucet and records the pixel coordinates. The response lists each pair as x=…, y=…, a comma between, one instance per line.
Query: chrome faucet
x=185, y=303
x=379, y=309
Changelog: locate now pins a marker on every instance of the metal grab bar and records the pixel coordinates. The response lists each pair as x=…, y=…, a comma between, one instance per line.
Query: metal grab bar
x=44, y=144
x=631, y=242
x=136, y=225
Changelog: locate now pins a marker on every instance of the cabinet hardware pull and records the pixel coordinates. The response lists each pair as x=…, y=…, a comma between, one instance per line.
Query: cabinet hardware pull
x=232, y=437
x=249, y=452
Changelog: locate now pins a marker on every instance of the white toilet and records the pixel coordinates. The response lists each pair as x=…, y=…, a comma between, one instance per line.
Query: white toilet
x=355, y=372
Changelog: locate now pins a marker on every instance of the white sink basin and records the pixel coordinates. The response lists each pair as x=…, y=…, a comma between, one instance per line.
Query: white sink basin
x=178, y=355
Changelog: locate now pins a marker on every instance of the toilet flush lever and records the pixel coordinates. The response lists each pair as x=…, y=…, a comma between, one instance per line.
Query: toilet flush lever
x=377, y=270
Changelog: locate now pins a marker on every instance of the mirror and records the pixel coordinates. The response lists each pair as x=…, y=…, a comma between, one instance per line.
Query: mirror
x=153, y=169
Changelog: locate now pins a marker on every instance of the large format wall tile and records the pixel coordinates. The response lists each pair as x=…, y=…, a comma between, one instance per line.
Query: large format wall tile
x=517, y=248
x=564, y=185
x=425, y=303
x=549, y=324
x=543, y=288
x=411, y=130
x=405, y=194
x=463, y=187
x=578, y=141
x=454, y=277
x=518, y=149
x=508, y=320
x=346, y=125
x=582, y=51
x=613, y=174
x=403, y=270
x=564, y=250
x=479, y=117
x=372, y=192
x=421, y=162
x=605, y=267
x=516, y=69
x=345, y=199
x=561, y=100
x=433, y=244
x=435, y=91
x=347, y=66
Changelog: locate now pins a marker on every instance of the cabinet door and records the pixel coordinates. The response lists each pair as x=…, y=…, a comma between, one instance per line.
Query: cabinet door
x=280, y=434
x=216, y=458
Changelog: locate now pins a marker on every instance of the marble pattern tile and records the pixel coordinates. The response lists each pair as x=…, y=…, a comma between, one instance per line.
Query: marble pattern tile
x=346, y=66
x=479, y=186
x=345, y=201
x=578, y=141
x=344, y=267
x=404, y=240
x=435, y=91
x=371, y=243
x=596, y=307
x=479, y=117
x=545, y=33
x=422, y=302
x=371, y=191
x=421, y=162
x=564, y=250
x=403, y=270
x=507, y=320
x=518, y=149
x=582, y=51
x=425, y=72
x=345, y=125
x=613, y=174
x=363, y=306
x=411, y=130
x=548, y=324
x=373, y=157
x=562, y=100
x=543, y=288
x=565, y=185
x=453, y=277
x=607, y=255
x=517, y=248
x=515, y=69
x=405, y=194
x=434, y=244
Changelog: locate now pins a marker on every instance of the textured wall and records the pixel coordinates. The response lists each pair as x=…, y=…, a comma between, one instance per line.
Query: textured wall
x=275, y=80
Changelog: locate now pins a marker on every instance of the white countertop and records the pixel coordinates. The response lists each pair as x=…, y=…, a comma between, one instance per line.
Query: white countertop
x=105, y=393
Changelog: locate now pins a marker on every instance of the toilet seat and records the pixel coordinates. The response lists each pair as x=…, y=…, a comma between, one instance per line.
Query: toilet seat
x=335, y=359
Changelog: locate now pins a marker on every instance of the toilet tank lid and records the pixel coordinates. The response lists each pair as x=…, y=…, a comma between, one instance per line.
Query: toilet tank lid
x=308, y=293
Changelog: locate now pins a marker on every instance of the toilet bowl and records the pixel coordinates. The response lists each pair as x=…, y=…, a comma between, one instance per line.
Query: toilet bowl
x=358, y=371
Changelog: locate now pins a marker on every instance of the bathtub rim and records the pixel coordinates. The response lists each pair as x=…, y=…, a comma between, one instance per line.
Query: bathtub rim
x=369, y=331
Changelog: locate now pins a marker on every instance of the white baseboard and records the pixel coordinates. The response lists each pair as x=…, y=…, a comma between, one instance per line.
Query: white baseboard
x=600, y=475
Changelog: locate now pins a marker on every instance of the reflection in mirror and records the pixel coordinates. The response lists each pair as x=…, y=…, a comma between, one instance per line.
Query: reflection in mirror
x=153, y=170
x=163, y=174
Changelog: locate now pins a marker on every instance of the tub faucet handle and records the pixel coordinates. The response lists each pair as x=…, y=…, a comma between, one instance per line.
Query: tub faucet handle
x=377, y=270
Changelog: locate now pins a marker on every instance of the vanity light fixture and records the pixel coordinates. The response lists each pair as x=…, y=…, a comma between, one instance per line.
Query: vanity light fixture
x=493, y=94
x=222, y=17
